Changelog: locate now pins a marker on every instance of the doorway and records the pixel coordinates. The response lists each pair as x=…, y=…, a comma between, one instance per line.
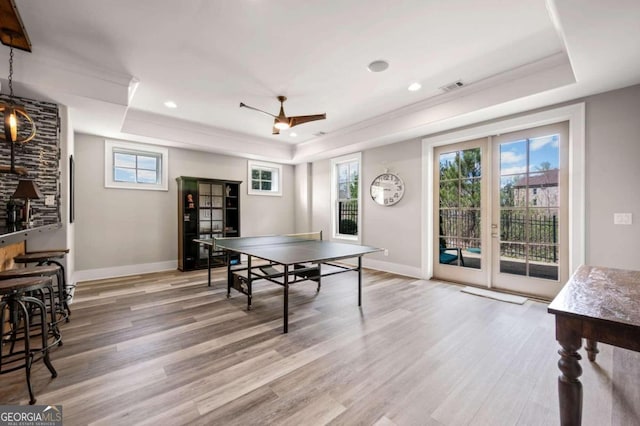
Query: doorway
x=500, y=211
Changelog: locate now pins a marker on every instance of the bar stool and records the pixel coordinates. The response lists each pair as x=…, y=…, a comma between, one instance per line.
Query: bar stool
x=19, y=306
x=48, y=257
x=56, y=310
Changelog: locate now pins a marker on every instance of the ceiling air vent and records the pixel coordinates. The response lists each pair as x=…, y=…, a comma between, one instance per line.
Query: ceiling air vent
x=452, y=86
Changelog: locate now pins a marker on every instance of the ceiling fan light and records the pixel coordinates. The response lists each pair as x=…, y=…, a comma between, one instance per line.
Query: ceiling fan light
x=281, y=125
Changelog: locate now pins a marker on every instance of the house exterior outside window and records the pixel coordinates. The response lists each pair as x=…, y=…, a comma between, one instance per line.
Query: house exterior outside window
x=346, y=197
x=264, y=178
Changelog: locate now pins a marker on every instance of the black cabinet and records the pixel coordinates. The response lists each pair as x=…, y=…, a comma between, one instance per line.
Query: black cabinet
x=207, y=208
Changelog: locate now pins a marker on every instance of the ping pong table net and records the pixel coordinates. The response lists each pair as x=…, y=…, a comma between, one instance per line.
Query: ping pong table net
x=306, y=235
x=265, y=240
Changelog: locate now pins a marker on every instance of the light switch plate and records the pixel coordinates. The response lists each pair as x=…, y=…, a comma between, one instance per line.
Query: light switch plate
x=50, y=200
x=622, y=219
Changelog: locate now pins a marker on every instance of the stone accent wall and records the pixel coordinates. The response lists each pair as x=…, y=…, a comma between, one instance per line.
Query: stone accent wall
x=41, y=158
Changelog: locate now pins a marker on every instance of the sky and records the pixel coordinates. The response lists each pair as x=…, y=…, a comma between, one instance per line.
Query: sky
x=513, y=155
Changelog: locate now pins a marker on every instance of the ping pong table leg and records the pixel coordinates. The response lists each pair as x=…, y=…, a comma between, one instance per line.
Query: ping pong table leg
x=285, y=326
x=229, y=274
x=209, y=265
x=249, y=280
x=319, y=277
x=359, y=280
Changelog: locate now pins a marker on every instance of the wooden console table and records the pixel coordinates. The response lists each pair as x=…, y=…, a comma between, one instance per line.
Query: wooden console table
x=600, y=305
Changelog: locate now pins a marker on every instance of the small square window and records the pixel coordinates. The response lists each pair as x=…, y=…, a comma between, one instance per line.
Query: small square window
x=265, y=178
x=135, y=166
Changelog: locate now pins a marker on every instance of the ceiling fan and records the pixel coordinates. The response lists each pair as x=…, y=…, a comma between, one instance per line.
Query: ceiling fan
x=281, y=121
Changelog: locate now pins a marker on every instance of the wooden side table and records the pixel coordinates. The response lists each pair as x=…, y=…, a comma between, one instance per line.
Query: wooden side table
x=600, y=305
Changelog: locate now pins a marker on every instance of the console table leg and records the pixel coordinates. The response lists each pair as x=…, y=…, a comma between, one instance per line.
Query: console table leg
x=569, y=387
x=592, y=349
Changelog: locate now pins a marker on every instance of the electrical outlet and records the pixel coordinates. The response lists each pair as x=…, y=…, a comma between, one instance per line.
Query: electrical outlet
x=622, y=219
x=50, y=200
x=386, y=252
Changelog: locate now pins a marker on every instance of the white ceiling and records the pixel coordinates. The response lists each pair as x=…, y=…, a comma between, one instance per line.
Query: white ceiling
x=115, y=63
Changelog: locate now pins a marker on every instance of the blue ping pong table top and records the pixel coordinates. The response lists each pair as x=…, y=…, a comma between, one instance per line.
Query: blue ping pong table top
x=288, y=250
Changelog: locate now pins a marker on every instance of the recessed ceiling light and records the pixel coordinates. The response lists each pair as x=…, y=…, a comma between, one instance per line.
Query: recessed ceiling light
x=170, y=104
x=293, y=134
x=414, y=87
x=378, y=66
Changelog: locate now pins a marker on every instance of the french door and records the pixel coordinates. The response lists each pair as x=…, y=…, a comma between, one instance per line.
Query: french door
x=500, y=211
x=461, y=182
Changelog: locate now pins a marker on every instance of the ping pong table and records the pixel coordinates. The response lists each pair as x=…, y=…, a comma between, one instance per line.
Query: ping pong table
x=291, y=258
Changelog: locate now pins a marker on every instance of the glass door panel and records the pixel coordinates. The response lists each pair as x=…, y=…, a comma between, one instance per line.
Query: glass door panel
x=529, y=212
x=459, y=210
x=458, y=215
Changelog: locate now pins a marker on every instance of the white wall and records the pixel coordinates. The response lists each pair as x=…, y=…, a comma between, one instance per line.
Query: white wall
x=303, y=194
x=613, y=176
x=321, y=197
x=396, y=228
x=120, y=231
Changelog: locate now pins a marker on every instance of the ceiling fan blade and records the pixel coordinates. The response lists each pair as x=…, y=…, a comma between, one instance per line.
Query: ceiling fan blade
x=243, y=105
x=301, y=119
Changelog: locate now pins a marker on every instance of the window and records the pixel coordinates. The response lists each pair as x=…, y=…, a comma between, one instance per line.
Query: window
x=345, y=196
x=264, y=178
x=135, y=166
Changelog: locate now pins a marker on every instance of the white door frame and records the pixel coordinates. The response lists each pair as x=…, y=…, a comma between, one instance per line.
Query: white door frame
x=575, y=114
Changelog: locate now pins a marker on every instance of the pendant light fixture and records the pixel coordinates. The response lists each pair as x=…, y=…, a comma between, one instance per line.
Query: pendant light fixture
x=14, y=115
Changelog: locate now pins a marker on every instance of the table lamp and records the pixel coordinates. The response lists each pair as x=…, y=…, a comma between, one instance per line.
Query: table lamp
x=28, y=190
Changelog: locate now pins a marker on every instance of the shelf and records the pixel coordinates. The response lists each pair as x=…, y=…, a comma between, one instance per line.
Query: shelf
x=216, y=206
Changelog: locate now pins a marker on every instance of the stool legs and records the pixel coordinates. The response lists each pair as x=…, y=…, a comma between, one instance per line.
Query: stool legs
x=63, y=296
x=20, y=313
x=29, y=356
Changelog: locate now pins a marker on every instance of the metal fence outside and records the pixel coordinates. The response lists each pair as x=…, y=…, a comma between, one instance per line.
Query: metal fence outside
x=348, y=217
x=522, y=233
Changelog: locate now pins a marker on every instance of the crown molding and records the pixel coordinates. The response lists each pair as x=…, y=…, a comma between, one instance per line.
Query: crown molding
x=472, y=103
x=201, y=137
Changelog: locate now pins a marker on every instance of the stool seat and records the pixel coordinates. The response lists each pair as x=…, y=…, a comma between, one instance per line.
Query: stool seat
x=26, y=280
x=48, y=258
x=39, y=256
x=14, y=285
x=38, y=271
x=29, y=272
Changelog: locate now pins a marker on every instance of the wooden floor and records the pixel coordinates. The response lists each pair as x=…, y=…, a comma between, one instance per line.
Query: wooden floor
x=164, y=349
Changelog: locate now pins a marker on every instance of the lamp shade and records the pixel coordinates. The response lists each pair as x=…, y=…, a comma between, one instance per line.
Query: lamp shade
x=27, y=189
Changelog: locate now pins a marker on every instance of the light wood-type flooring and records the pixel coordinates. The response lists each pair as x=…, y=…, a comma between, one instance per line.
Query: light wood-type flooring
x=164, y=349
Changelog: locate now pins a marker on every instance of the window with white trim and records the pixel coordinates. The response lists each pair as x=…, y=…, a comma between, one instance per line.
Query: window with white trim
x=346, y=196
x=264, y=178
x=135, y=166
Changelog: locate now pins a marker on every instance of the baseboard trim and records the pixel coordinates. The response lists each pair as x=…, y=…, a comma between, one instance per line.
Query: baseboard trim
x=394, y=268
x=145, y=268
x=123, y=271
